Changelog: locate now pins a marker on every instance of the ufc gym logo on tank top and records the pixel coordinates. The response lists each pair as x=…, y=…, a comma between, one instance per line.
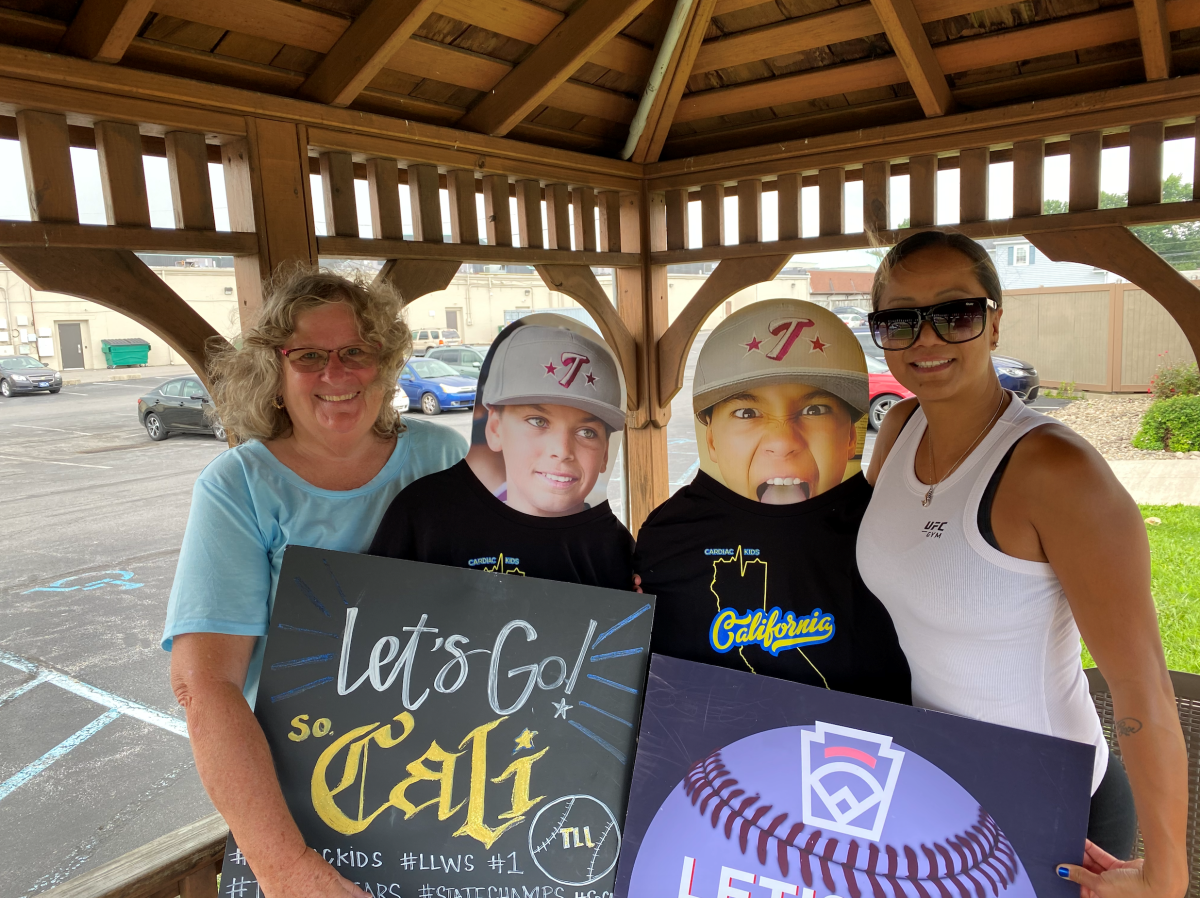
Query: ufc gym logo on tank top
x=935, y=529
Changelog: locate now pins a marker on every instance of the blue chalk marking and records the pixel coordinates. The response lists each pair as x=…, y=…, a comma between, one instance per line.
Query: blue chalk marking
x=686, y=476
x=17, y=691
x=299, y=689
x=296, y=662
x=612, y=684
x=307, y=630
x=611, y=630
x=607, y=714
x=335, y=582
x=624, y=653
x=21, y=777
x=612, y=749
x=125, y=582
x=311, y=596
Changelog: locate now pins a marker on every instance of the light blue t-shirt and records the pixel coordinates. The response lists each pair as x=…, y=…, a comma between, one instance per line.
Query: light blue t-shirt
x=247, y=506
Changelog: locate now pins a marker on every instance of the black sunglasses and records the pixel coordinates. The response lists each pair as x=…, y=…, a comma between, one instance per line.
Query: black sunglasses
x=956, y=321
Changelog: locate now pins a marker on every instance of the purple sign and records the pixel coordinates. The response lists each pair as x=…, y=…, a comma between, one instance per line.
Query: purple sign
x=751, y=787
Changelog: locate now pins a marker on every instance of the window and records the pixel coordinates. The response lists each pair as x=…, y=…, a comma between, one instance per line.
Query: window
x=1020, y=255
x=192, y=388
x=424, y=335
x=435, y=335
x=174, y=388
x=428, y=368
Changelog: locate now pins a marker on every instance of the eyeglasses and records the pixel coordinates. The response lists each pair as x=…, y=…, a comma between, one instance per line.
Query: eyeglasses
x=956, y=321
x=310, y=360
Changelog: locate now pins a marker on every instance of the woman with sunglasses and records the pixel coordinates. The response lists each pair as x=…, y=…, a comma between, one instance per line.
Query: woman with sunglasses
x=995, y=537
x=308, y=395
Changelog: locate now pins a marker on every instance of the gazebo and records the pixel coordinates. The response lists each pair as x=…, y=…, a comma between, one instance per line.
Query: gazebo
x=612, y=116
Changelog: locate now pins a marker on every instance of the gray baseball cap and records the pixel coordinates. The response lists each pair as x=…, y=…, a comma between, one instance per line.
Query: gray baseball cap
x=781, y=341
x=555, y=366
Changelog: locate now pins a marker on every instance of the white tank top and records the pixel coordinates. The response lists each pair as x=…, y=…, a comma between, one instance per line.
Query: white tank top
x=987, y=635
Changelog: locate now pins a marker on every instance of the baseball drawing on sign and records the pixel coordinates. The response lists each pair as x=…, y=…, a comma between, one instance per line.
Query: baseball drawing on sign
x=823, y=811
x=575, y=840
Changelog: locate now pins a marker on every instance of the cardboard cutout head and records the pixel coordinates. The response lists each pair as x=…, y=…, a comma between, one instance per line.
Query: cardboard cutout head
x=549, y=417
x=780, y=396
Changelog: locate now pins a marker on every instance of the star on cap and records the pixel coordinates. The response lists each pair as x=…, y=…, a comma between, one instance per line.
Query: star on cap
x=551, y=368
x=817, y=345
x=591, y=379
x=753, y=345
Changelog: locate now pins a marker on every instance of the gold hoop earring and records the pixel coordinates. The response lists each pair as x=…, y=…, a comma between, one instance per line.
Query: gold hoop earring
x=277, y=402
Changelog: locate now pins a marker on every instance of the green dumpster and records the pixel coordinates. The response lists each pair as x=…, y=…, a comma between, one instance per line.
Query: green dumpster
x=128, y=351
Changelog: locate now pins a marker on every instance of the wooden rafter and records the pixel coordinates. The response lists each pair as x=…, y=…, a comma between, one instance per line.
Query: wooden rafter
x=550, y=63
x=670, y=92
x=363, y=49
x=908, y=39
x=103, y=29
x=1155, y=36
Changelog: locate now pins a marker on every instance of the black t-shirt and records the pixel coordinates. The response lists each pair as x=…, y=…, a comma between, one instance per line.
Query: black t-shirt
x=451, y=518
x=772, y=589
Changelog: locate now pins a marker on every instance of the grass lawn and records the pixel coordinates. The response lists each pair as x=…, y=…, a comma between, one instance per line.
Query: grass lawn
x=1175, y=581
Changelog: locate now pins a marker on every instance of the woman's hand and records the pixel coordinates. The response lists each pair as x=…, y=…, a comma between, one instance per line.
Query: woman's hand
x=310, y=877
x=1104, y=876
x=637, y=583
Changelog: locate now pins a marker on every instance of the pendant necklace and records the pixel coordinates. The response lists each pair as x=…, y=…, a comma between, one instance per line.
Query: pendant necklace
x=929, y=443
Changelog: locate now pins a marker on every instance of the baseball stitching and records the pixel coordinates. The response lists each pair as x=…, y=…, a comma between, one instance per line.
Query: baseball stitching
x=962, y=866
x=557, y=828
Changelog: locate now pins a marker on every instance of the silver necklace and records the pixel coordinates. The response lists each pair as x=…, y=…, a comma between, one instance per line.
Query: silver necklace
x=929, y=445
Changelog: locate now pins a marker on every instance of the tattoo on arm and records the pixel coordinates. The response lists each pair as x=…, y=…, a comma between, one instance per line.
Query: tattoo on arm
x=1127, y=726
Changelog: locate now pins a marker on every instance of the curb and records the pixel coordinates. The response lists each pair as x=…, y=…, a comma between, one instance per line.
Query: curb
x=76, y=383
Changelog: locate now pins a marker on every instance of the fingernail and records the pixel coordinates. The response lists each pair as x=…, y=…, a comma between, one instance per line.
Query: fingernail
x=1064, y=872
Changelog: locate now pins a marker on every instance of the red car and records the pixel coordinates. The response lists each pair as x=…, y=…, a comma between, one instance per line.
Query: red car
x=886, y=391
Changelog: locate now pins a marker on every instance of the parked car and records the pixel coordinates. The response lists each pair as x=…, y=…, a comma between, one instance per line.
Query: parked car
x=1016, y=375
x=400, y=400
x=885, y=391
x=177, y=406
x=466, y=360
x=426, y=338
x=851, y=310
x=24, y=374
x=435, y=386
x=853, y=319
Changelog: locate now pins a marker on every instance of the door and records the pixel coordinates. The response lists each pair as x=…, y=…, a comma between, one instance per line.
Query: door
x=191, y=411
x=70, y=344
x=452, y=319
x=409, y=385
x=172, y=412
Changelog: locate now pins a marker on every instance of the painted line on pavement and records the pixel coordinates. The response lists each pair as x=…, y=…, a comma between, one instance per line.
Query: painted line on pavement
x=21, y=777
x=17, y=691
x=125, y=706
x=46, y=461
x=56, y=429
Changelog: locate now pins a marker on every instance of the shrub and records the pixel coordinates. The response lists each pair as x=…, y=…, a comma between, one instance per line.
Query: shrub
x=1180, y=379
x=1172, y=424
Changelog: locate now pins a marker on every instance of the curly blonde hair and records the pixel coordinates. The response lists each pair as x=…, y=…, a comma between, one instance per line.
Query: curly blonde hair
x=246, y=379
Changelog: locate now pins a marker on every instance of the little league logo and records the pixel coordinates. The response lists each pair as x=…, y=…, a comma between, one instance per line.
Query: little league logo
x=572, y=362
x=849, y=778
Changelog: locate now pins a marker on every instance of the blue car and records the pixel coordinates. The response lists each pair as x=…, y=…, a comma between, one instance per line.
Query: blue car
x=436, y=386
x=1016, y=375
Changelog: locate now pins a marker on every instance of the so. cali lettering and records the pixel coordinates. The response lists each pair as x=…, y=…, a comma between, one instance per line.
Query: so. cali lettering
x=773, y=631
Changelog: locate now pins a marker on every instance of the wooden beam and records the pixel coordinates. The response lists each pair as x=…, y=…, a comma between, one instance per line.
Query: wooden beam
x=414, y=278
x=69, y=235
x=583, y=208
x=1085, y=171
x=337, y=183
x=191, y=193
x=363, y=50
x=550, y=63
x=103, y=29
x=122, y=174
x=46, y=157
x=424, y=199
x=529, y=214
x=383, y=188
x=749, y=197
x=1028, y=177
x=1145, y=163
x=368, y=248
x=677, y=219
x=610, y=221
x=876, y=197
x=973, y=176
x=831, y=187
x=579, y=283
x=1116, y=249
x=922, y=191
x=907, y=36
x=1154, y=32
x=497, y=211
x=558, y=216
x=788, y=187
x=464, y=214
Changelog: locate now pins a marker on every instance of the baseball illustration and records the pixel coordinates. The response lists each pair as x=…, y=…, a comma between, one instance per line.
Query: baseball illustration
x=823, y=811
x=575, y=840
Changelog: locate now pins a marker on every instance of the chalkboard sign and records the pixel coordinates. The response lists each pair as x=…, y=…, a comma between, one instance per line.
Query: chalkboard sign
x=751, y=787
x=447, y=733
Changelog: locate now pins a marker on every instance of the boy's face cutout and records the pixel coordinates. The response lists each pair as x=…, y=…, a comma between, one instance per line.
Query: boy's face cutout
x=782, y=443
x=553, y=455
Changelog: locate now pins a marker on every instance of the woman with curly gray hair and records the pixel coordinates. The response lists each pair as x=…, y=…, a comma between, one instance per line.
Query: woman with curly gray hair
x=321, y=455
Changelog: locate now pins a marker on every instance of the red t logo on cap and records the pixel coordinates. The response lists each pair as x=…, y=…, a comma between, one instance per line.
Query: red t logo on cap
x=573, y=363
x=788, y=330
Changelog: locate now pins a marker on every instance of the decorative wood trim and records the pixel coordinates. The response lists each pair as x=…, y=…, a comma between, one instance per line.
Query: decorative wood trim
x=464, y=215
x=676, y=202
x=383, y=188
x=425, y=203
x=529, y=214
x=122, y=175
x=365, y=248
x=831, y=191
x=46, y=158
x=610, y=221
x=337, y=183
x=103, y=29
x=876, y=197
x=414, y=278
x=583, y=207
x=558, y=218
x=922, y=191
x=712, y=215
x=191, y=193
x=69, y=235
x=497, y=210
x=973, y=175
x=1085, y=171
x=907, y=36
x=1145, y=163
x=1028, y=186
x=749, y=194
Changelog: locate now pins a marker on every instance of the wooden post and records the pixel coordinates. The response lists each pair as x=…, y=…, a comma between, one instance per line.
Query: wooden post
x=583, y=204
x=497, y=210
x=677, y=218
x=423, y=197
x=46, y=155
x=610, y=221
x=831, y=190
x=1196, y=163
x=712, y=215
x=788, y=187
x=529, y=214
x=191, y=193
x=1028, y=172
x=383, y=187
x=558, y=218
x=973, y=170
x=337, y=182
x=122, y=175
x=877, y=177
x=201, y=884
x=464, y=214
x=749, y=194
x=1145, y=163
x=1085, y=171
x=922, y=191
